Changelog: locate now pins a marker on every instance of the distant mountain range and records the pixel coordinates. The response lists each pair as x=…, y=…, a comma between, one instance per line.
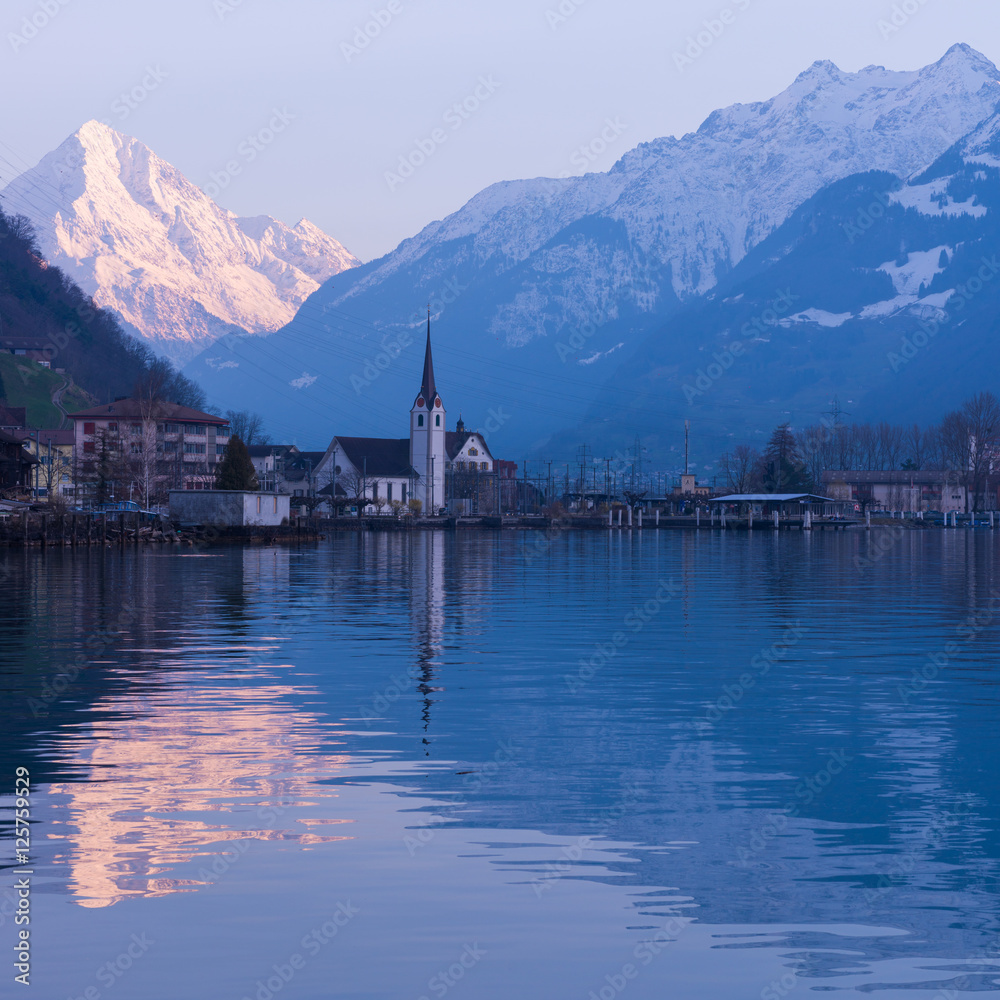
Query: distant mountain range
x=176, y=269
x=589, y=309
x=550, y=298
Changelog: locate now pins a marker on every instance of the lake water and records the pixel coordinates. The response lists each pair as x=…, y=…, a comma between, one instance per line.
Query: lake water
x=638, y=764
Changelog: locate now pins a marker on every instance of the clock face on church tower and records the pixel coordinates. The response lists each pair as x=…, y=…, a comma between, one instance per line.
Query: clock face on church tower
x=420, y=401
x=437, y=402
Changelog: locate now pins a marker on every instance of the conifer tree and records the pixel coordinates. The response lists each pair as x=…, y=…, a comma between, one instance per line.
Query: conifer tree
x=236, y=471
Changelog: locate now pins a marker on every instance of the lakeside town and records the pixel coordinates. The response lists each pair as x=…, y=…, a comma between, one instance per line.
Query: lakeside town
x=151, y=459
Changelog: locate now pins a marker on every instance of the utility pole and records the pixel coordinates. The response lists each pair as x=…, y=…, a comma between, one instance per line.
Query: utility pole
x=687, y=429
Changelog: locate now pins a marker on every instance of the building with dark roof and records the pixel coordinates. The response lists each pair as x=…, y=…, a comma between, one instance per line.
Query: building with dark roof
x=432, y=466
x=16, y=464
x=143, y=445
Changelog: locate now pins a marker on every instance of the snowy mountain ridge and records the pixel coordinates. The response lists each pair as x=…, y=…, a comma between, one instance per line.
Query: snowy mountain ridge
x=148, y=244
x=692, y=207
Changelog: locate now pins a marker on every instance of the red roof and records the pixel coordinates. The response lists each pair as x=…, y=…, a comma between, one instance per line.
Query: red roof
x=133, y=409
x=44, y=436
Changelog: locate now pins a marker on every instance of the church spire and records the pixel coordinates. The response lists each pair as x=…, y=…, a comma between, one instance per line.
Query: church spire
x=427, y=387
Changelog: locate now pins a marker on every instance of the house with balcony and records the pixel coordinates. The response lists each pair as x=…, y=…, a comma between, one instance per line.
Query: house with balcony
x=141, y=447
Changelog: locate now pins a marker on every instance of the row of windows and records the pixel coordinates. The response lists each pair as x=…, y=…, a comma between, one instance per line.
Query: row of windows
x=474, y=465
x=437, y=420
x=197, y=430
x=169, y=447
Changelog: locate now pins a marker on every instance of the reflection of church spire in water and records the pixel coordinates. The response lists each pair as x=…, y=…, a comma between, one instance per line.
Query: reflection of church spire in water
x=427, y=609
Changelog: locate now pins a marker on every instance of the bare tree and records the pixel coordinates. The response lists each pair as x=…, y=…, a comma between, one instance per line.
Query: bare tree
x=248, y=426
x=741, y=467
x=359, y=488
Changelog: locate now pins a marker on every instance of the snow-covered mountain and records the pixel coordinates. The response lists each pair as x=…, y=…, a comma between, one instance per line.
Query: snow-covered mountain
x=540, y=288
x=880, y=291
x=178, y=270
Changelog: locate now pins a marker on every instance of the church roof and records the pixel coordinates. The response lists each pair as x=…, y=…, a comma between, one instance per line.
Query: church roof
x=427, y=387
x=454, y=442
x=379, y=456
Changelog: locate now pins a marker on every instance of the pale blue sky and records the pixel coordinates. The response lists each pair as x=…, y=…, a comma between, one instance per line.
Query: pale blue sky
x=548, y=84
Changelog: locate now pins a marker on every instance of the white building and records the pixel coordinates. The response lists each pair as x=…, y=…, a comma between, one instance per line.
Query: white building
x=384, y=471
x=898, y=489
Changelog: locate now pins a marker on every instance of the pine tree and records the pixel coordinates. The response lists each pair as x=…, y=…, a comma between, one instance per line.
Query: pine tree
x=784, y=470
x=235, y=471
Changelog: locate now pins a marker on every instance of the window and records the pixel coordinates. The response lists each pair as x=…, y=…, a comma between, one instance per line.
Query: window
x=136, y=428
x=88, y=447
x=374, y=491
x=88, y=427
x=420, y=420
x=473, y=451
x=170, y=446
x=171, y=428
x=135, y=448
x=193, y=449
x=196, y=428
x=388, y=492
x=113, y=426
x=485, y=465
x=220, y=449
x=437, y=420
x=461, y=465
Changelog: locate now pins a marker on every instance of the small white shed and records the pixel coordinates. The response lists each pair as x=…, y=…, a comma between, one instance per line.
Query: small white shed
x=229, y=508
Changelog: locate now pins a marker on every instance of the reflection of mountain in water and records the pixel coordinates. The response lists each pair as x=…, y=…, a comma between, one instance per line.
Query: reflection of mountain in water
x=239, y=756
x=409, y=646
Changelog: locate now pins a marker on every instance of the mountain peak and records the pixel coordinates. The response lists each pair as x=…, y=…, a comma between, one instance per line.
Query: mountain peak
x=152, y=247
x=964, y=54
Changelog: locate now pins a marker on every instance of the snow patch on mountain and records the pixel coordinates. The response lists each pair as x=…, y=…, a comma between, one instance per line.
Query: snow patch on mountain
x=920, y=268
x=146, y=243
x=673, y=214
x=933, y=199
x=818, y=316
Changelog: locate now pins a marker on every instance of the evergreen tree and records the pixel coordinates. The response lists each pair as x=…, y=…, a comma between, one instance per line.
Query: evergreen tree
x=235, y=471
x=784, y=471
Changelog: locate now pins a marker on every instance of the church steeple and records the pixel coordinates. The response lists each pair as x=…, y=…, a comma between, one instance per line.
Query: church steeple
x=428, y=439
x=427, y=387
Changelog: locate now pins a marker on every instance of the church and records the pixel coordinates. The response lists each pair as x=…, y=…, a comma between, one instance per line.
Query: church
x=388, y=472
